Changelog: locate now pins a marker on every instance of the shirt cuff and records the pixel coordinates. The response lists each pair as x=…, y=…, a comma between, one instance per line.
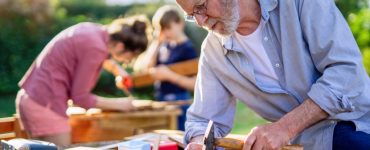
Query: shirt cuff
x=194, y=129
x=331, y=102
x=87, y=102
x=197, y=128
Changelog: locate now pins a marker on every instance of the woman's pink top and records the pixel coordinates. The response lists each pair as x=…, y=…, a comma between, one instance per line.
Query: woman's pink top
x=68, y=68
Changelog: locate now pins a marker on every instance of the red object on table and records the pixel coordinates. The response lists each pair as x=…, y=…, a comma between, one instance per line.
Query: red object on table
x=167, y=146
x=127, y=82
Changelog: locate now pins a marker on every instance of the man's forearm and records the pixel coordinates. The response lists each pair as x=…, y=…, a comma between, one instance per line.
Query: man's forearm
x=302, y=117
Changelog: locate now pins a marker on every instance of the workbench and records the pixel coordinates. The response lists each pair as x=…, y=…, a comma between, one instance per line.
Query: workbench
x=107, y=126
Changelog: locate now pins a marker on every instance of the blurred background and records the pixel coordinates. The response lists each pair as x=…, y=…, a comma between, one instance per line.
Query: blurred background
x=26, y=26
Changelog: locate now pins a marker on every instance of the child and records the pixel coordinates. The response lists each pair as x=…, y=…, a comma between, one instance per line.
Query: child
x=171, y=46
x=68, y=68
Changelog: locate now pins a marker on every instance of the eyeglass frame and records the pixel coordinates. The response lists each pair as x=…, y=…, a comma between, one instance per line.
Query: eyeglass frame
x=197, y=10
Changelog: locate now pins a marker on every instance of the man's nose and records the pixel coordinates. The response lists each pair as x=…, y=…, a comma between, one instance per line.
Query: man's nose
x=201, y=19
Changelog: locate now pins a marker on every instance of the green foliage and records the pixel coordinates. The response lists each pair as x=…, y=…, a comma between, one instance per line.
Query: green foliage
x=20, y=41
x=7, y=105
x=360, y=26
x=94, y=9
x=25, y=32
x=27, y=27
x=366, y=59
x=351, y=6
x=245, y=119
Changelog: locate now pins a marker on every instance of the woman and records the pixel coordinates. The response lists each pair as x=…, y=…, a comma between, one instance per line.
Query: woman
x=68, y=68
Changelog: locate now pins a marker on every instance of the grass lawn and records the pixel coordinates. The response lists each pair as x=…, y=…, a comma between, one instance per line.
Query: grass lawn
x=245, y=118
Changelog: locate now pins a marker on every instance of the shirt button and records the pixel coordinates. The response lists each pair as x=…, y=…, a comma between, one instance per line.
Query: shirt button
x=266, y=38
x=277, y=65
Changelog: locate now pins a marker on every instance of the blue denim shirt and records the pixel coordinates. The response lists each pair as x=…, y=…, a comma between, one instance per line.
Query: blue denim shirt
x=315, y=56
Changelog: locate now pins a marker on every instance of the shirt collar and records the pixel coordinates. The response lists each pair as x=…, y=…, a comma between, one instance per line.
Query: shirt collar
x=266, y=6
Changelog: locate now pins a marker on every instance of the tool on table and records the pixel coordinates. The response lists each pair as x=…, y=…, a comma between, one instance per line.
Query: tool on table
x=127, y=84
x=211, y=142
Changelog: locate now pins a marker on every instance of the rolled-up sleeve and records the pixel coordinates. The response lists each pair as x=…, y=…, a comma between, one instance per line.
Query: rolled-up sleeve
x=335, y=54
x=211, y=102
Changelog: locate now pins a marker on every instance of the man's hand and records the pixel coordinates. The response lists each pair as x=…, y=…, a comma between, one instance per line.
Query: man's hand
x=195, y=143
x=270, y=136
x=194, y=146
x=277, y=135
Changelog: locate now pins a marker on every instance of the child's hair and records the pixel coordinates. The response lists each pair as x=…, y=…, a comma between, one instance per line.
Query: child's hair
x=134, y=32
x=164, y=16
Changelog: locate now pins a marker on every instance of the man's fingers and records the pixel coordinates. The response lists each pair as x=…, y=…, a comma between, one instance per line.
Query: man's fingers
x=258, y=145
x=194, y=146
x=249, y=141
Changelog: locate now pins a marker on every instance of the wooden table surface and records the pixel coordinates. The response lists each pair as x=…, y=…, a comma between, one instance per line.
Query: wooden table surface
x=107, y=126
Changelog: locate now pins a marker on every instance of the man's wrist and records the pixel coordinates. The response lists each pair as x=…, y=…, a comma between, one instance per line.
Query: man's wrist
x=302, y=117
x=287, y=127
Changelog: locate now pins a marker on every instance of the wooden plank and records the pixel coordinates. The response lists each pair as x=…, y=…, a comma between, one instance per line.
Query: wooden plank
x=187, y=68
x=176, y=136
x=108, y=126
x=134, y=114
x=172, y=122
x=7, y=124
x=7, y=136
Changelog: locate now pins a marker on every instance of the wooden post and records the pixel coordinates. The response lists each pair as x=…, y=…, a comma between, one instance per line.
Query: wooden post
x=19, y=131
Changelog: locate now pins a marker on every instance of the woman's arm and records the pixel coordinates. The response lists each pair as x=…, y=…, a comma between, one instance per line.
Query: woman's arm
x=120, y=104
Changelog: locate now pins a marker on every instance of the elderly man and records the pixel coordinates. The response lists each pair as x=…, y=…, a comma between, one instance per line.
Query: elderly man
x=294, y=62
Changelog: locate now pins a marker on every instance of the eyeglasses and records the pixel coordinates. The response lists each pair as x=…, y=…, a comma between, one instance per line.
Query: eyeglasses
x=197, y=10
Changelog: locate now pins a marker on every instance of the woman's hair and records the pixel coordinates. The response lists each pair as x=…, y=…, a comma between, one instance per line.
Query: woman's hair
x=166, y=15
x=134, y=32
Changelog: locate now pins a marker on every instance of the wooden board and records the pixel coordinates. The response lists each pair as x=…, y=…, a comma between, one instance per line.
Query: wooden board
x=7, y=125
x=187, y=68
x=107, y=126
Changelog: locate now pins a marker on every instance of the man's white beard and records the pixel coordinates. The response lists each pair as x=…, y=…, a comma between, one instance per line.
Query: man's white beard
x=230, y=19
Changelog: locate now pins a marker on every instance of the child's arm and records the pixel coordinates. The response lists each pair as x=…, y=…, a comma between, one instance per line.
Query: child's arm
x=163, y=73
x=150, y=58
